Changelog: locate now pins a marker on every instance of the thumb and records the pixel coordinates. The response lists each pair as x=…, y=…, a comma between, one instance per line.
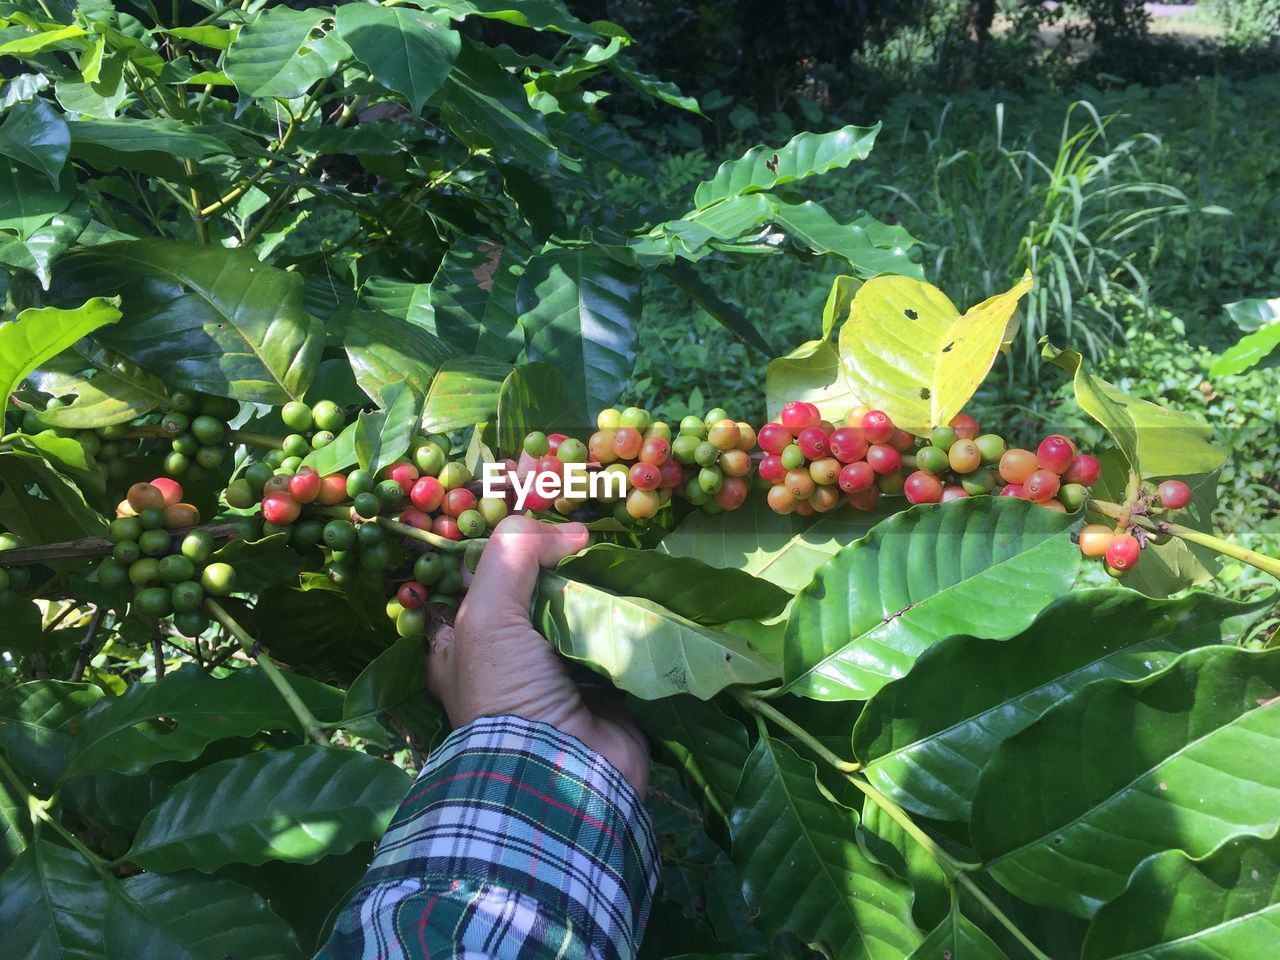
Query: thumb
x=516, y=552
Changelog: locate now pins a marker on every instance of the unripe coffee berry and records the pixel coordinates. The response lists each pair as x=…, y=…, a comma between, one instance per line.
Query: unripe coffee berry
x=964, y=456
x=600, y=447
x=932, y=460
x=1094, y=539
x=1073, y=495
x=780, y=499
x=943, y=438
x=724, y=434
x=991, y=446
x=572, y=450
x=792, y=457
x=642, y=504
x=606, y=419
x=1016, y=465
x=471, y=524
x=536, y=444
x=327, y=415
x=627, y=443
x=333, y=490
x=825, y=471
x=800, y=483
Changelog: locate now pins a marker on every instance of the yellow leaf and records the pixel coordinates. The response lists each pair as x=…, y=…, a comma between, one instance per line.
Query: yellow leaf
x=908, y=351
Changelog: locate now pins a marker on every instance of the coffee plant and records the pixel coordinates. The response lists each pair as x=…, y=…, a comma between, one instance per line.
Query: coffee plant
x=294, y=317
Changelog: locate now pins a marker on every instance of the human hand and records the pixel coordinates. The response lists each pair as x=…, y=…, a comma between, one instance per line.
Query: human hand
x=492, y=661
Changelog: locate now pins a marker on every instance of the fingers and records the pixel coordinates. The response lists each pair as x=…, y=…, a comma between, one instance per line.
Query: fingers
x=517, y=550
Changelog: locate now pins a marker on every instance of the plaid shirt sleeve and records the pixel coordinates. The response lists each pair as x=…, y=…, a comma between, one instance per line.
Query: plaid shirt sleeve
x=517, y=842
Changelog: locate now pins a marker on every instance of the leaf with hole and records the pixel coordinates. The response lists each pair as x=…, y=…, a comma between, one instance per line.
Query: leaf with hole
x=282, y=53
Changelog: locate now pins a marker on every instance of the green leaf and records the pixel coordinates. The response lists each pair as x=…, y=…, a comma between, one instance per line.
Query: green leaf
x=870, y=247
x=15, y=825
x=1261, y=321
x=400, y=299
x=785, y=550
x=802, y=869
x=579, y=309
x=408, y=51
x=684, y=585
x=384, y=436
x=1157, y=441
x=204, y=318
x=805, y=155
x=661, y=90
x=330, y=633
x=709, y=746
x=23, y=625
x=908, y=351
x=384, y=350
x=41, y=333
x=464, y=392
x=283, y=52
x=58, y=512
x=109, y=143
x=535, y=396
x=924, y=739
x=919, y=576
x=37, y=253
x=50, y=36
x=486, y=108
x=534, y=14
x=886, y=842
x=178, y=716
x=460, y=293
x=811, y=372
x=394, y=676
x=644, y=648
x=299, y=805
x=1223, y=905
x=26, y=201
x=54, y=905
x=35, y=134
x=106, y=388
x=261, y=564
x=336, y=455
x=38, y=724
x=1123, y=769
x=957, y=937
x=216, y=38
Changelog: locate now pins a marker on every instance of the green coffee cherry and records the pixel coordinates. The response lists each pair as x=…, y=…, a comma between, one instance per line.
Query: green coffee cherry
x=991, y=446
x=296, y=416
x=943, y=438
x=296, y=445
x=186, y=444
x=931, y=459
x=218, y=579
x=340, y=535
x=358, y=482
x=411, y=623
x=471, y=524
x=112, y=574
x=428, y=568
x=239, y=494
x=308, y=533
x=536, y=444
x=124, y=528
x=153, y=601
x=144, y=571
x=186, y=597
x=367, y=505
x=191, y=624
x=154, y=543
x=321, y=439
x=327, y=415
x=126, y=551
x=208, y=430
x=175, y=568
x=389, y=492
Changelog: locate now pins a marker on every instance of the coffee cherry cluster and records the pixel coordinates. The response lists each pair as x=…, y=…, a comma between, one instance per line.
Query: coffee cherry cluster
x=348, y=517
x=198, y=430
x=809, y=462
x=1121, y=547
x=108, y=446
x=707, y=462
x=168, y=571
x=960, y=461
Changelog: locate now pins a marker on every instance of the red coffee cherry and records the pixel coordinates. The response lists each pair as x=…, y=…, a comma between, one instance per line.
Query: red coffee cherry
x=813, y=443
x=427, y=494
x=798, y=415
x=280, y=508
x=922, y=487
x=847, y=444
x=1055, y=453
x=774, y=438
x=644, y=476
x=1173, y=494
x=771, y=468
x=1123, y=552
x=864, y=499
x=1042, y=485
x=883, y=458
x=856, y=477
x=1083, y=470
x=877, y=427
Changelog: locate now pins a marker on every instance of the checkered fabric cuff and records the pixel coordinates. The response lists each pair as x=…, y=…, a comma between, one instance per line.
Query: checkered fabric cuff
x=530, y=834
